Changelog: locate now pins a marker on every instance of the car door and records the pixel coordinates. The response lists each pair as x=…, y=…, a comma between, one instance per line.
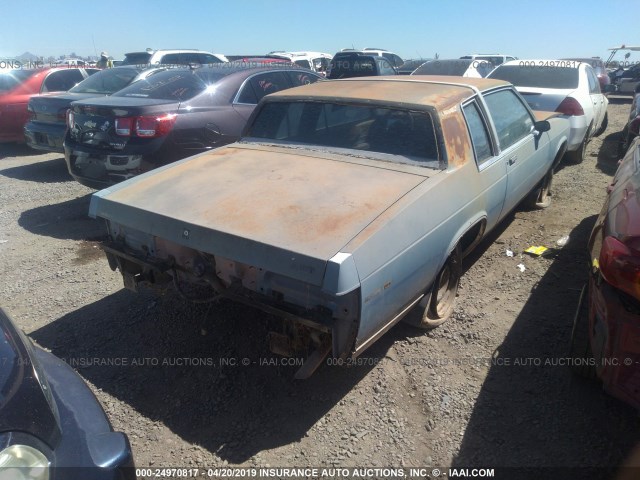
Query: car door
x=526, y=155
x=597, y=99
x=492, y=171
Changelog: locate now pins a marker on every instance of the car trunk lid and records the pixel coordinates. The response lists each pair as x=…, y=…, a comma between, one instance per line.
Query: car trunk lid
x=279, y=209
x=544, y=98
x=53, y=108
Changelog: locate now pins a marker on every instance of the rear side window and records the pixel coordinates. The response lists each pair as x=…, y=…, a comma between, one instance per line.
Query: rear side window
x=594, y=85
x=301, y=78
x=261, y=85
x=478, y=131
x=402, y=133
x=174, y=59
x=511, y=118
x=538, y=76
x=61, y=81
x=207, y=58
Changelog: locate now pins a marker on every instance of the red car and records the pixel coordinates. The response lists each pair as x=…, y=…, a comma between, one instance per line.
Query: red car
x=17, y=87
x=606, y=334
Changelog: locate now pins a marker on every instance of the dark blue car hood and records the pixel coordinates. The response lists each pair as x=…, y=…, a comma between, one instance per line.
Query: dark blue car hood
x=26, y=402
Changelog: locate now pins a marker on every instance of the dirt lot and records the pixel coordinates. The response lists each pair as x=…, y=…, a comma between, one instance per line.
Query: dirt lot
x=196, y=386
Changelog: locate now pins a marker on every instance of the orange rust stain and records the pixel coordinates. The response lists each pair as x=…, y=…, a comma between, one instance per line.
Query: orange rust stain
x=279, y=196
x=456, y=138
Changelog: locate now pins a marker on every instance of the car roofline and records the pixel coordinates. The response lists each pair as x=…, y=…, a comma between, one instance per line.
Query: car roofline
x=416, y=80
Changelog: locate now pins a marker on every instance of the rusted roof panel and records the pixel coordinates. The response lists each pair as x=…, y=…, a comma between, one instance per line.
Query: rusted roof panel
x=439, y=92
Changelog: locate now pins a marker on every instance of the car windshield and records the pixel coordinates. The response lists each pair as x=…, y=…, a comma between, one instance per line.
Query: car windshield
x=169, y=85
x=443, y=67
x=407, y=136
x=12, y=78
x=107, y=81
x=538, y=76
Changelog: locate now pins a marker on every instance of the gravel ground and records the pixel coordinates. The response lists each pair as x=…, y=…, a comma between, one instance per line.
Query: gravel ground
x=195, y=386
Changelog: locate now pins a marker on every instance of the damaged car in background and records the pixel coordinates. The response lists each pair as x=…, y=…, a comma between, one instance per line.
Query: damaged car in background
x=167, y=116
x=48, y=123
x=346, y=207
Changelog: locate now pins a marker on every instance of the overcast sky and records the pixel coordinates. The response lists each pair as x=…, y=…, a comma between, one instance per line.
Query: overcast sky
x=412, y=29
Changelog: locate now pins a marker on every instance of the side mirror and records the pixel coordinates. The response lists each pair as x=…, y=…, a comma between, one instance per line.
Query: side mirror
x=542, y=126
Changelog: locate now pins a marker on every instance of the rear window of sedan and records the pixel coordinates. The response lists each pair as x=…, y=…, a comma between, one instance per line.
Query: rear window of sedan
x=107, y=81
x=542, y=76
x=177, y=85
x=407, y=135
x=443, y=67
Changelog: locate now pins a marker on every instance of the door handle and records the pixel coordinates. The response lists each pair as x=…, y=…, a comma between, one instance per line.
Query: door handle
x=512, y=160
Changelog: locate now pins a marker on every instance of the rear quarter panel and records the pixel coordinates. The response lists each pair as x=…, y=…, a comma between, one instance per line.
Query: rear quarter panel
x=400, y=253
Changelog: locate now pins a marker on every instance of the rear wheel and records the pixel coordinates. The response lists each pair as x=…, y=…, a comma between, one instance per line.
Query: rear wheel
x=540, y=197
x=437, y=305
x=577, y=156
x=603, y=127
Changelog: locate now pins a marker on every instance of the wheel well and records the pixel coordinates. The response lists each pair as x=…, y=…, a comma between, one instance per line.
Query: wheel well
x=589, y=128
x=561, y=151
x=472, y=237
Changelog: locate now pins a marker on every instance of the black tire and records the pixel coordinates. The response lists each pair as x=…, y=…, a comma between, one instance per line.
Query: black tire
x=624, y=143
x=436, y=306
x=577, y=156
x=583, y=363
x=603, y=127
x=540, y=197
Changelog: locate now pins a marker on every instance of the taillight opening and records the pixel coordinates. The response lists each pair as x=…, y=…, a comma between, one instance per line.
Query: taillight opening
x=570, y=106
x=147, y=126
x=620, y=266
x=70, y=118
x=123, y=126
